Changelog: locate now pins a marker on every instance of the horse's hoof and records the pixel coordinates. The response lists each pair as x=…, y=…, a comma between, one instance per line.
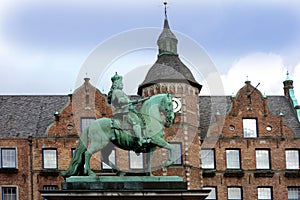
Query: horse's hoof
x=168, y=163
x=120, y=173
x=92, y=174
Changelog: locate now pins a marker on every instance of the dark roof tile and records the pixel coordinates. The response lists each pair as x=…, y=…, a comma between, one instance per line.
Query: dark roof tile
x=22, y=116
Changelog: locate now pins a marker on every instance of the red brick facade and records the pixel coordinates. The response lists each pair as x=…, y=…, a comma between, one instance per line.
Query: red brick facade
x=88, y=102
x=276, y=139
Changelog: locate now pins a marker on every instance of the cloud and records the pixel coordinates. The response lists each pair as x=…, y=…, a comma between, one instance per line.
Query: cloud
x=264, y=68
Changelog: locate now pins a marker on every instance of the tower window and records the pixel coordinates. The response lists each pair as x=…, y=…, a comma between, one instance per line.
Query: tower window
x=233, y=159
x=262, y=159
x=250, y=128
x=177, y=153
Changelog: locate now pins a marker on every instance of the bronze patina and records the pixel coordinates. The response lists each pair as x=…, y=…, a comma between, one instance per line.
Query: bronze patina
x=129, y=129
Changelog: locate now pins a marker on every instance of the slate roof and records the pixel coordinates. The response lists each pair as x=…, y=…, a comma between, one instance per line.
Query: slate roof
x=209, y=106
x=166, y=33
x=281, y=104
x=168, y=68
x=21, y=116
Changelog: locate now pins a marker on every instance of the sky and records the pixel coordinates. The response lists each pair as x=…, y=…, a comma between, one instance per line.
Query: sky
x=45, y=45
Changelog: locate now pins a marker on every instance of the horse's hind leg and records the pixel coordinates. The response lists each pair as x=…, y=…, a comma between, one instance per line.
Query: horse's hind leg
x=105, y=152
x=94, y=147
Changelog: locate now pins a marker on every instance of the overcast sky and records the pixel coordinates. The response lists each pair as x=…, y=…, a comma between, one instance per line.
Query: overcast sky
x=43, y=44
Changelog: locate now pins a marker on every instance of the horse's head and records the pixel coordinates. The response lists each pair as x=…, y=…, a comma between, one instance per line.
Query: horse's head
x=167, y=109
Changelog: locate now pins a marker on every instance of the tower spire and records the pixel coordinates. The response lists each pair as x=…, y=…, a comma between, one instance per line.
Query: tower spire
x=167, y=41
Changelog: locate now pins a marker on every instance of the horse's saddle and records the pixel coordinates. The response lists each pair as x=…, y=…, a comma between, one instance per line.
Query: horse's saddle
x=123, y=122
x=122, y=127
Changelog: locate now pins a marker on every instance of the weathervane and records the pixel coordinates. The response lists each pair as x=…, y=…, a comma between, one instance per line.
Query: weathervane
x=165, y=3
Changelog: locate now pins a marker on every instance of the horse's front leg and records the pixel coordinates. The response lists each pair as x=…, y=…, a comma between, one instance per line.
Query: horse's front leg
x=160, y=142
x=149, y=165
x=171, y=159
x=87, y=168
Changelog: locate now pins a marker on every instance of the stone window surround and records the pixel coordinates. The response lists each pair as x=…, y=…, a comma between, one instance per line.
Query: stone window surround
x=265, y=163
x=229, y=164
x=43, y=158
x=213, y=156
x=15, y=157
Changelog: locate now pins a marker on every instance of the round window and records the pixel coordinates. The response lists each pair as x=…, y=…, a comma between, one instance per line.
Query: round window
x=231, y=127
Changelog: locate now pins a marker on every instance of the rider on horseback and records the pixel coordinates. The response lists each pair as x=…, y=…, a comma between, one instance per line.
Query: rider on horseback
x=122, y=105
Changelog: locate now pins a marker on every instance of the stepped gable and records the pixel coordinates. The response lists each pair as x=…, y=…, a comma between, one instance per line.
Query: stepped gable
x=210, y=105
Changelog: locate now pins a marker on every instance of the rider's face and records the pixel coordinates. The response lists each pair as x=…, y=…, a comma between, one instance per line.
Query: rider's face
x=120, y=85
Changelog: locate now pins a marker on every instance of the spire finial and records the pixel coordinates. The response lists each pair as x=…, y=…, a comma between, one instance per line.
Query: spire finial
x=165, y=3
x=287, y=76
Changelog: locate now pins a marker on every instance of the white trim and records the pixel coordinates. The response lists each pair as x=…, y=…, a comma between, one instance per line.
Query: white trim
x=17, y=190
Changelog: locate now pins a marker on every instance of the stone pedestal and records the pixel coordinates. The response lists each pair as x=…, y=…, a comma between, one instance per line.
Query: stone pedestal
x=124, y=188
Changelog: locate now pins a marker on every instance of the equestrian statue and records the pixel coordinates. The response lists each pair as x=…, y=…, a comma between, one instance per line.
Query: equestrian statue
x=129, y=129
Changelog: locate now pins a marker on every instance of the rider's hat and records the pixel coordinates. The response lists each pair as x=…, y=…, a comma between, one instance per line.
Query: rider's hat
x=116, y=77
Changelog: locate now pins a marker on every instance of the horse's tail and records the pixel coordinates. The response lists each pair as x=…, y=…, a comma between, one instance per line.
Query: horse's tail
x=76, y=166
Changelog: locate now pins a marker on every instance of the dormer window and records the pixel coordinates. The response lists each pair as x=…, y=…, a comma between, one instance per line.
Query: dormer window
x=250, y=128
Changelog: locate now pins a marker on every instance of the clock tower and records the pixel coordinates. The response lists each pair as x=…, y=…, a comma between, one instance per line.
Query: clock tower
x=170, y=75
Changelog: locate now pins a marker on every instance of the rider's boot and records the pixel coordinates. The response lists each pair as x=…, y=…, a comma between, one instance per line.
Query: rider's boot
x=138, y=133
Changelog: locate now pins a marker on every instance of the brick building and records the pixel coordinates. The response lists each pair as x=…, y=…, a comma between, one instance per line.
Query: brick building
x=241, y=147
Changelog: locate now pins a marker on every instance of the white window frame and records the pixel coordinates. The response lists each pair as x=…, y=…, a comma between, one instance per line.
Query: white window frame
x=234, y=193
x=50, y=187
x=262, y=159
x=250, y=128
x=233, y=159
x=213, y=193
x=208, y=159
x=135, y=161
x=264, y=193
x=292, y=159
x=47, y=163
x=9, y=186
x=293, y=193
x=4, y=164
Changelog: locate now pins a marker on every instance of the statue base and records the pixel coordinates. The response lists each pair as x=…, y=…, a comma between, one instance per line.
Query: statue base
x=123, y=183
x=124, y=188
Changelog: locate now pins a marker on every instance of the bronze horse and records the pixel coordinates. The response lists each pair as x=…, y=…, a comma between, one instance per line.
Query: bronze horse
x=100, y=133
